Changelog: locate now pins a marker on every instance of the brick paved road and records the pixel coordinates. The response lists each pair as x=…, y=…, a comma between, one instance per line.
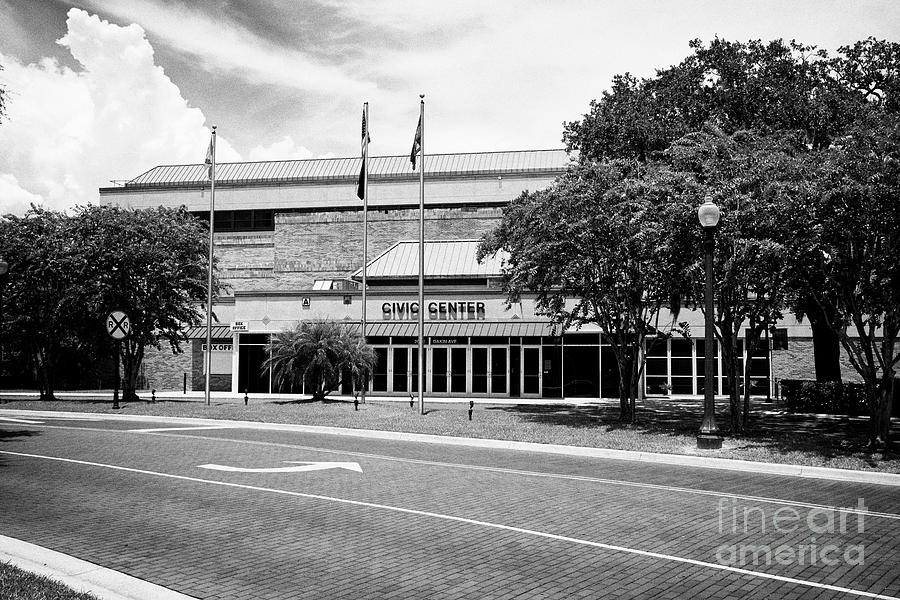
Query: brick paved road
x=429, y=520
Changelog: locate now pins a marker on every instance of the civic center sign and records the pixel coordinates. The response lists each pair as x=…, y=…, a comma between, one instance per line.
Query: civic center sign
x=455, y=310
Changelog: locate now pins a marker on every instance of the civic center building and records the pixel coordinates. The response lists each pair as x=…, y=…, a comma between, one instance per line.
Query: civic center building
x=288, y=238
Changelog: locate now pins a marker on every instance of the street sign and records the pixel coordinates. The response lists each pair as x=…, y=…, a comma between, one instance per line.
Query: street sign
x=117, y=325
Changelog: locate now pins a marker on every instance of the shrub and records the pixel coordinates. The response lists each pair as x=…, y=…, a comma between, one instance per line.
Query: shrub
x=827, y=397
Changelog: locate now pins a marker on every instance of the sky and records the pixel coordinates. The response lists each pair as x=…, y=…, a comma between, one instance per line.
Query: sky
x=100, y=91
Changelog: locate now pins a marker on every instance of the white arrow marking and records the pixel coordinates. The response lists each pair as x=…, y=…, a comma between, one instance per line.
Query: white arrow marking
x=314, y=466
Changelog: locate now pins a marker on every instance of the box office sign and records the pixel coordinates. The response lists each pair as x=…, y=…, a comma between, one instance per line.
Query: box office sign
x=456, y=310
x=219, y=347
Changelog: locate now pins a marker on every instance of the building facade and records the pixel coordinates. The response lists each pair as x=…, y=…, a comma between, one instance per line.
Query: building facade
x=288, y=238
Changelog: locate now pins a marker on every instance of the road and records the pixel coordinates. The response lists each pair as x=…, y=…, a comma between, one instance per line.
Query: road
x=234, y=512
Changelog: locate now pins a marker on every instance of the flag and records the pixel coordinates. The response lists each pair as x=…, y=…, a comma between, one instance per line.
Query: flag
x=417, y=144
x=364, y=149
x=209, y=159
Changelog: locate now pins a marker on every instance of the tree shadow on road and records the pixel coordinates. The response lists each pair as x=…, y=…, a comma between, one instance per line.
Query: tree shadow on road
x=8, y=435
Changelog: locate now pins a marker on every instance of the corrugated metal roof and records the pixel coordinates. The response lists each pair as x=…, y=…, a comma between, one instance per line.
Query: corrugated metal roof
x=336, y=169
x=443, y=260
x=447, y=329
x=218, y=331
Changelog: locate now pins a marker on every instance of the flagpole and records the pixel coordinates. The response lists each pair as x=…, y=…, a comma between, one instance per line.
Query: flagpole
x=212, y=212
x=365, y=141
x=422, y=361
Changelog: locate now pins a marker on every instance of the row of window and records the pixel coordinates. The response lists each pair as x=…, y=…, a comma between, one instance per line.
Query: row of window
x=230, y=221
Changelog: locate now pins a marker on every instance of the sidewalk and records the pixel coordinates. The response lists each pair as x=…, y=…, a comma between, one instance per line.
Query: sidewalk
x=235, y=398
x=80, y=575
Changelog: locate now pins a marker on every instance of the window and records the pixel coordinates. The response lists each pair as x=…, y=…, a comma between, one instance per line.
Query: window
x=232, y=221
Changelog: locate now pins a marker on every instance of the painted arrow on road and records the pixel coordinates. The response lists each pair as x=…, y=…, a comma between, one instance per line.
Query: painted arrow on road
x=301, y=467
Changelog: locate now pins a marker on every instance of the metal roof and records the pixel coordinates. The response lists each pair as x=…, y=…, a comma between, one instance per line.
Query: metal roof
x=218, y=331
x=443, y=260
x=347, y=169
x=460, y=329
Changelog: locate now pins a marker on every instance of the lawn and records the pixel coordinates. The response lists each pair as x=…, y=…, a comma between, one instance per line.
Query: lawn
x=16, y=584
x=667, y=426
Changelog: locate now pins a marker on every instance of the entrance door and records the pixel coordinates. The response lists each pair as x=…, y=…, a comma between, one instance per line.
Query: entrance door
x=457, y=370
x=489, y=371
x=251, y=355
x=498, y=372
x=479, y=370
x=400, y=363
x=439, y=370
x=380, y=372
x=531, y=371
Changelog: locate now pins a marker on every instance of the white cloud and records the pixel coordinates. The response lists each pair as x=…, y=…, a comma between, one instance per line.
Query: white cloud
x=14, y=199
x=225, y=47
x=283, y=149
x=69, y=132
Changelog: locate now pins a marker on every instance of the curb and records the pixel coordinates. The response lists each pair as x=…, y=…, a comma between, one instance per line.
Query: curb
x=845, y=475
x=80, y=575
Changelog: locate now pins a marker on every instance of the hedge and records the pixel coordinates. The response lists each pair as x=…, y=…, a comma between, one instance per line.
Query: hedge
x=829, y=397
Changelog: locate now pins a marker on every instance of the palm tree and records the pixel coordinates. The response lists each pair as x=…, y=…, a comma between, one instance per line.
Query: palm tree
x=319, y=353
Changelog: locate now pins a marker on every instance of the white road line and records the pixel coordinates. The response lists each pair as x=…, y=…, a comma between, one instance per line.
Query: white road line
x=24, y=421
x=531, y=532
x=194, y=428
x=637, y=484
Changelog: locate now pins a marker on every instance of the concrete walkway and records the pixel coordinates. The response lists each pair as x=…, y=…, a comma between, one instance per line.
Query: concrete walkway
x=81, y=575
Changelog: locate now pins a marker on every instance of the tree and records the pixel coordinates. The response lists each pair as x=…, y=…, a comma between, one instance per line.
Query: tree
x=2, y=100
x=847, y=243
x=150, y=263
x=765, y=87
x=749, y=177
x=37, y=309
x=319, y=354
x=604, y=244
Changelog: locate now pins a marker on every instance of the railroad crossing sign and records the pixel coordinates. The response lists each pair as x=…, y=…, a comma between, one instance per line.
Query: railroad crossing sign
x=117, y=325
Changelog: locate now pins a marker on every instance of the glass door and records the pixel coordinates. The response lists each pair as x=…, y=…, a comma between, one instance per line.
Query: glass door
x=439, y=370
x=499, y=372
x=531, y=371
x=400, y=373
x=457, y=370
x=479, y=370
x=380, y=372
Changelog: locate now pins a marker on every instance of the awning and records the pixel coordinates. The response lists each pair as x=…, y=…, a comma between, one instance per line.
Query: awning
x=460, y=329
x=199, y=333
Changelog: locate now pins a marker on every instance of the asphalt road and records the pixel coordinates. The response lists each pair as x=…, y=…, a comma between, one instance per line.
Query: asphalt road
x=414, y=520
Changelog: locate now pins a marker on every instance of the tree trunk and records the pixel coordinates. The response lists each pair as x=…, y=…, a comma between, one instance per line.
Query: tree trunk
x=46, y=374
x=626, y=405
x=131, y=361
x=732, y=372
x=880, y=414
x=826, y=344
x=751, y=342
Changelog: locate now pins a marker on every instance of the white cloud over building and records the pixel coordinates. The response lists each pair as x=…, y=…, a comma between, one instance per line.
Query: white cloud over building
x=69, y=132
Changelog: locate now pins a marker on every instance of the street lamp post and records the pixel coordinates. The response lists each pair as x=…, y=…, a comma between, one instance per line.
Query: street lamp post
x=4, y=269
x=709, y=437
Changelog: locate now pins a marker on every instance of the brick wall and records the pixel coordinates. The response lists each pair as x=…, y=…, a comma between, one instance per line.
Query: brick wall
x=165, y=370
x=217, y=382
x=797, y=362
x=328, y=245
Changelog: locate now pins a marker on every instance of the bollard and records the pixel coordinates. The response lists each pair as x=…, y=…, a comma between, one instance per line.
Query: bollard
x=471, y=407
x=246, y=399
x=410, y=400
x=152, y=395
x=355, y=403
x=185, y=384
